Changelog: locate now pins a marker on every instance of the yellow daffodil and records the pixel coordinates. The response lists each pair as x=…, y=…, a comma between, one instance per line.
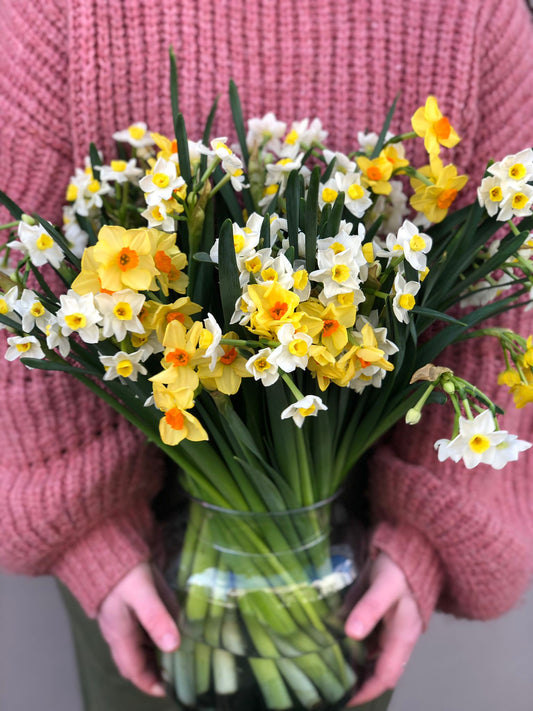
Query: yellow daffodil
x=178, y=423
x=125, y=259
x=157, y=316
x=436, y=130
x=522, y=394
x=509, y=377
x=275, y=306
x=181, y=356
x=334, y=320
x=376, y=173
x=435, y=200
x=229, y=370
x=170, y=262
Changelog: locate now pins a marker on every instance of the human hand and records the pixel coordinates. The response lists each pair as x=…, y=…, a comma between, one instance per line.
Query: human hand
x=131, y=617
x=388, y=598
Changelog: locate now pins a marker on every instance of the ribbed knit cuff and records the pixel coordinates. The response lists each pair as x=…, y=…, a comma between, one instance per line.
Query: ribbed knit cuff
x=96, y=563
x=413, y=553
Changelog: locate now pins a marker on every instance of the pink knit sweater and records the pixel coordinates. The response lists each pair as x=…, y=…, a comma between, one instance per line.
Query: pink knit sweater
x=75, y=480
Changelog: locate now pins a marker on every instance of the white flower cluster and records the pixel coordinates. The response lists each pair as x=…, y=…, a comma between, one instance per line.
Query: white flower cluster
x=92, y=318
x=479, y=442
x=506, y=192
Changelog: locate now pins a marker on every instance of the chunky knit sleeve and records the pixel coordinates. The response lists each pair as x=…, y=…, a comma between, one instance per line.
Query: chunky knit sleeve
x=75, y=479
x=465, y=538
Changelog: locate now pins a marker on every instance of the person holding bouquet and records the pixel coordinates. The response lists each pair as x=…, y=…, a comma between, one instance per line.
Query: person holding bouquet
x=77, y=482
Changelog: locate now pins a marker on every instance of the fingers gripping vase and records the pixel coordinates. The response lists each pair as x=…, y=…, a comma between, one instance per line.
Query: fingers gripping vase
x=261, y=611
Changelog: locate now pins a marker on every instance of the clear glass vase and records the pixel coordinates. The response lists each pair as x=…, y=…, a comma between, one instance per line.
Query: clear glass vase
x=262, y=608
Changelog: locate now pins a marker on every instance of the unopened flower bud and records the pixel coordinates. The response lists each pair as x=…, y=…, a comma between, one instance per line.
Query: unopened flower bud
x=448, y=387
x=413, y=416
x=28, y=219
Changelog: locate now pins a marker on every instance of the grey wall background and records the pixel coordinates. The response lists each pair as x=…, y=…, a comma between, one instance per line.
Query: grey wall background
x=457, y=666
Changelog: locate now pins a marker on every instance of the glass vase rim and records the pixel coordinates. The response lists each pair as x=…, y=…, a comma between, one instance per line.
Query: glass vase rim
x=292, y=512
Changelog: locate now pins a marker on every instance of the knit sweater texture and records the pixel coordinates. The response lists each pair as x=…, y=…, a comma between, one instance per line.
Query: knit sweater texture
x=76, y=481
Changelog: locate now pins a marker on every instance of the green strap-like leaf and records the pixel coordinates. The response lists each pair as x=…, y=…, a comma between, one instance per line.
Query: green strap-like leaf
x=183, y=151
x=388, y=119
x=13, y=209
x=236, y=112
x=292, y=197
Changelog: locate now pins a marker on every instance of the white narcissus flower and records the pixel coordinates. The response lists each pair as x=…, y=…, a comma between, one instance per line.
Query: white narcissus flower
x=76, y=237
x=210, y=340
x=120, y=312
x=404, y=299
x=157, y=216
x=479, y=442
x=121, y=171
x=161, y=182
x=490, y=194
x=516, y=202
x=34, y=241
x=261, y=368
x=55, y=338
x=304, y=133
x=78, y=314
x=508, y=450
x=7, y=305
x=136, y=135
x=514, y=170
x=415, y=245
x=308, y=406
x=245, y=240
x=265, y=132
x=338, y=272
x=23, y=347
x=293, y=351
x=123, y=365
x=229, y=162
x=32, y=311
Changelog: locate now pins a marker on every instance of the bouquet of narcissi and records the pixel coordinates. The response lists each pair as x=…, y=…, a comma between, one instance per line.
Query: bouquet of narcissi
x=259, y=312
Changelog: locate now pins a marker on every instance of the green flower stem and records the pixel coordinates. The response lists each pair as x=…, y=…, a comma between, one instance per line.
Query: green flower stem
x=299, y=682
x=326, y=681
x=202, y=667
x=10, y=225
x=273, y=687
x=184, y=677
x=401, y=137
x=224, y=672
x=206, y=175
x=514, y=229
x=220, y=185
x=409, y=170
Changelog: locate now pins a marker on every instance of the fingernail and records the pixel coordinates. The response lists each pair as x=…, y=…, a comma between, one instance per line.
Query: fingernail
x=158, y=690
x=356, y=629
x=169, y=642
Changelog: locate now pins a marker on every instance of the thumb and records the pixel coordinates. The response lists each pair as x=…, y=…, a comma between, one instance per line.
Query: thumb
x=143, y=598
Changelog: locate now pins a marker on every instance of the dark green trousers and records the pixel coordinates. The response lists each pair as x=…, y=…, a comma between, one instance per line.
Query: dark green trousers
x=102, y=687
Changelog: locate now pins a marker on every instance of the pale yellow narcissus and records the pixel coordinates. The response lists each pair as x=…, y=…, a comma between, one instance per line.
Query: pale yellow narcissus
x=170, y=262
x=88, y=281
x=229, y=370
x=181, y=356
x=377, y=173
x=429, y=123
x=360, y=356
x=157, y=316
x=125, y=258
x=275, y=306
x=178, y=423
x=333, y=322
x=435, y=200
